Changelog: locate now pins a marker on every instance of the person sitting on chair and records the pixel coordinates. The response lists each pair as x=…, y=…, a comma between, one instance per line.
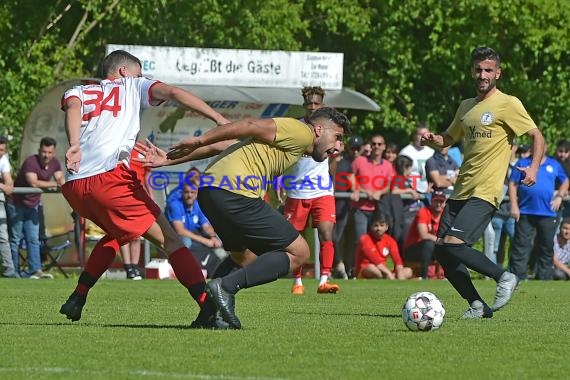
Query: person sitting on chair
x=184, y=214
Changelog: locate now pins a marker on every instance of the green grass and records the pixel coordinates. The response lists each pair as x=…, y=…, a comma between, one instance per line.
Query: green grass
x=134, y=330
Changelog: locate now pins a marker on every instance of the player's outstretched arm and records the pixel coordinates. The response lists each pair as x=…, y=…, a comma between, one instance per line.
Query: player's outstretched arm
x=163, y=91
x=155, y=157
x=261, y=129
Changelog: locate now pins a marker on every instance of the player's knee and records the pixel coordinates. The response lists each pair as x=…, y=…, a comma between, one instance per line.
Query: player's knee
x=299, y=252
x=325, y=230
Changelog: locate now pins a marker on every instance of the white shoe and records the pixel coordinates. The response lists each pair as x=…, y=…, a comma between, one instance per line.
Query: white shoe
x=505, y=288
x=39, y=275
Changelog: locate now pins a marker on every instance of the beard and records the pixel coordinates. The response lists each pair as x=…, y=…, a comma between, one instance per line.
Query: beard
x=486, y=87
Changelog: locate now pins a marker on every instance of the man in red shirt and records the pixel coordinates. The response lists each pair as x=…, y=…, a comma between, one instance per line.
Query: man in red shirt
x=374, y=248
x=420, y=242
x=371, y=176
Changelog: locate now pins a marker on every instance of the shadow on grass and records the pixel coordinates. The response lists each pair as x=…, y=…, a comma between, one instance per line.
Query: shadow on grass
x=349, y=314
x=83, y=324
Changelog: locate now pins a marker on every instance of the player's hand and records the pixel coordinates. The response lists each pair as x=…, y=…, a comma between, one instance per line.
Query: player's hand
x=154, y=157
x=184, y=148
x=432, y=140
x=72, y=159
x=529, y=176
x=223, y=121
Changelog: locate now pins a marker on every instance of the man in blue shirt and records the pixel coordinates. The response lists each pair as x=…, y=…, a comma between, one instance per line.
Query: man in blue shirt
x=188, y=220
x=534, y=209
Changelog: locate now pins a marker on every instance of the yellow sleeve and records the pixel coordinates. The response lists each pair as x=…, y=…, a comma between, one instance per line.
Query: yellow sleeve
x=455, y=129
x=517, y=118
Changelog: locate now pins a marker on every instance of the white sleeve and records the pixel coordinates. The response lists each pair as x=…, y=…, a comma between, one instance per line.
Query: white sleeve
x=5, y=166
x=144, y=86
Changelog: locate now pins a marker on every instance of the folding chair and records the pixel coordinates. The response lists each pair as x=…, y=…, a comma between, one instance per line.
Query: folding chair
x=58, y=227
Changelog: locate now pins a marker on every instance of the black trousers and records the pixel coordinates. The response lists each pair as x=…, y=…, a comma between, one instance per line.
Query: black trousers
x=523, y=242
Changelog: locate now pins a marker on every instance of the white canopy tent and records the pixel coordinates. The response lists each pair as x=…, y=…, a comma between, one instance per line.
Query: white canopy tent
x=344, y=98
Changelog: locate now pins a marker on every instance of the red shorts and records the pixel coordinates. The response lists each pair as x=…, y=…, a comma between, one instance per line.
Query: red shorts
x=115, y=201
x=321, y=209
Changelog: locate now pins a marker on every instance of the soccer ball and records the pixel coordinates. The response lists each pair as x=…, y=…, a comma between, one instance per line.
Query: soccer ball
x=423, y=311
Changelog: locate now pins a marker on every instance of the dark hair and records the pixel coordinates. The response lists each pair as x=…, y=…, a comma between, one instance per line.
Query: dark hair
x=48, y=141
x=401, y=163
x=483, y=53
x=417, y=129
x=563, y=145
x=3, y=140
x=392, y=148
x=329, y=113
x=117, y=58
x=315, y=90
x=379, y=217
x=193, y=169
x=565, y=221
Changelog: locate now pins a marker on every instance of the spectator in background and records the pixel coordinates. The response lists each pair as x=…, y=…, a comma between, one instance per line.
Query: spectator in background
x=404, y=201
x=441, y=170
x=561, y=257
x=184, y=214
x=502, y=223
x=311, y=194
x=372, y=177
x=6, y=188
x=42, y=170
x=421, y=238
x=456, y=152
x=503, y=226
x=131, y=251
x=373, y=250
x=523, y=151
x=419, y=155
x=366, y=149
x=391, y=152
x=563, y=157
x=534, y=210
x=343, y=237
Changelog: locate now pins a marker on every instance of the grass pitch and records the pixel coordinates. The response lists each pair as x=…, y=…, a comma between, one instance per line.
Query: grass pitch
x=139, y=330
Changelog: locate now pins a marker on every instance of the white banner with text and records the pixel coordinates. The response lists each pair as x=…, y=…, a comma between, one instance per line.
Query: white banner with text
x=236, y=67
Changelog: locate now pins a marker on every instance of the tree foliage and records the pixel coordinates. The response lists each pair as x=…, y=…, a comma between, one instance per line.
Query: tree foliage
x=412, y=57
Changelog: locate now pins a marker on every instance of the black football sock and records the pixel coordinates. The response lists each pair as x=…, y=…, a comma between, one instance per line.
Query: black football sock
x=457, y=274
x=266, y=268
x=475, y=260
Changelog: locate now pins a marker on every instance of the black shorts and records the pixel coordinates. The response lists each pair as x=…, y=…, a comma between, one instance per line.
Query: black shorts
x=465, y=219
x=243, y=222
